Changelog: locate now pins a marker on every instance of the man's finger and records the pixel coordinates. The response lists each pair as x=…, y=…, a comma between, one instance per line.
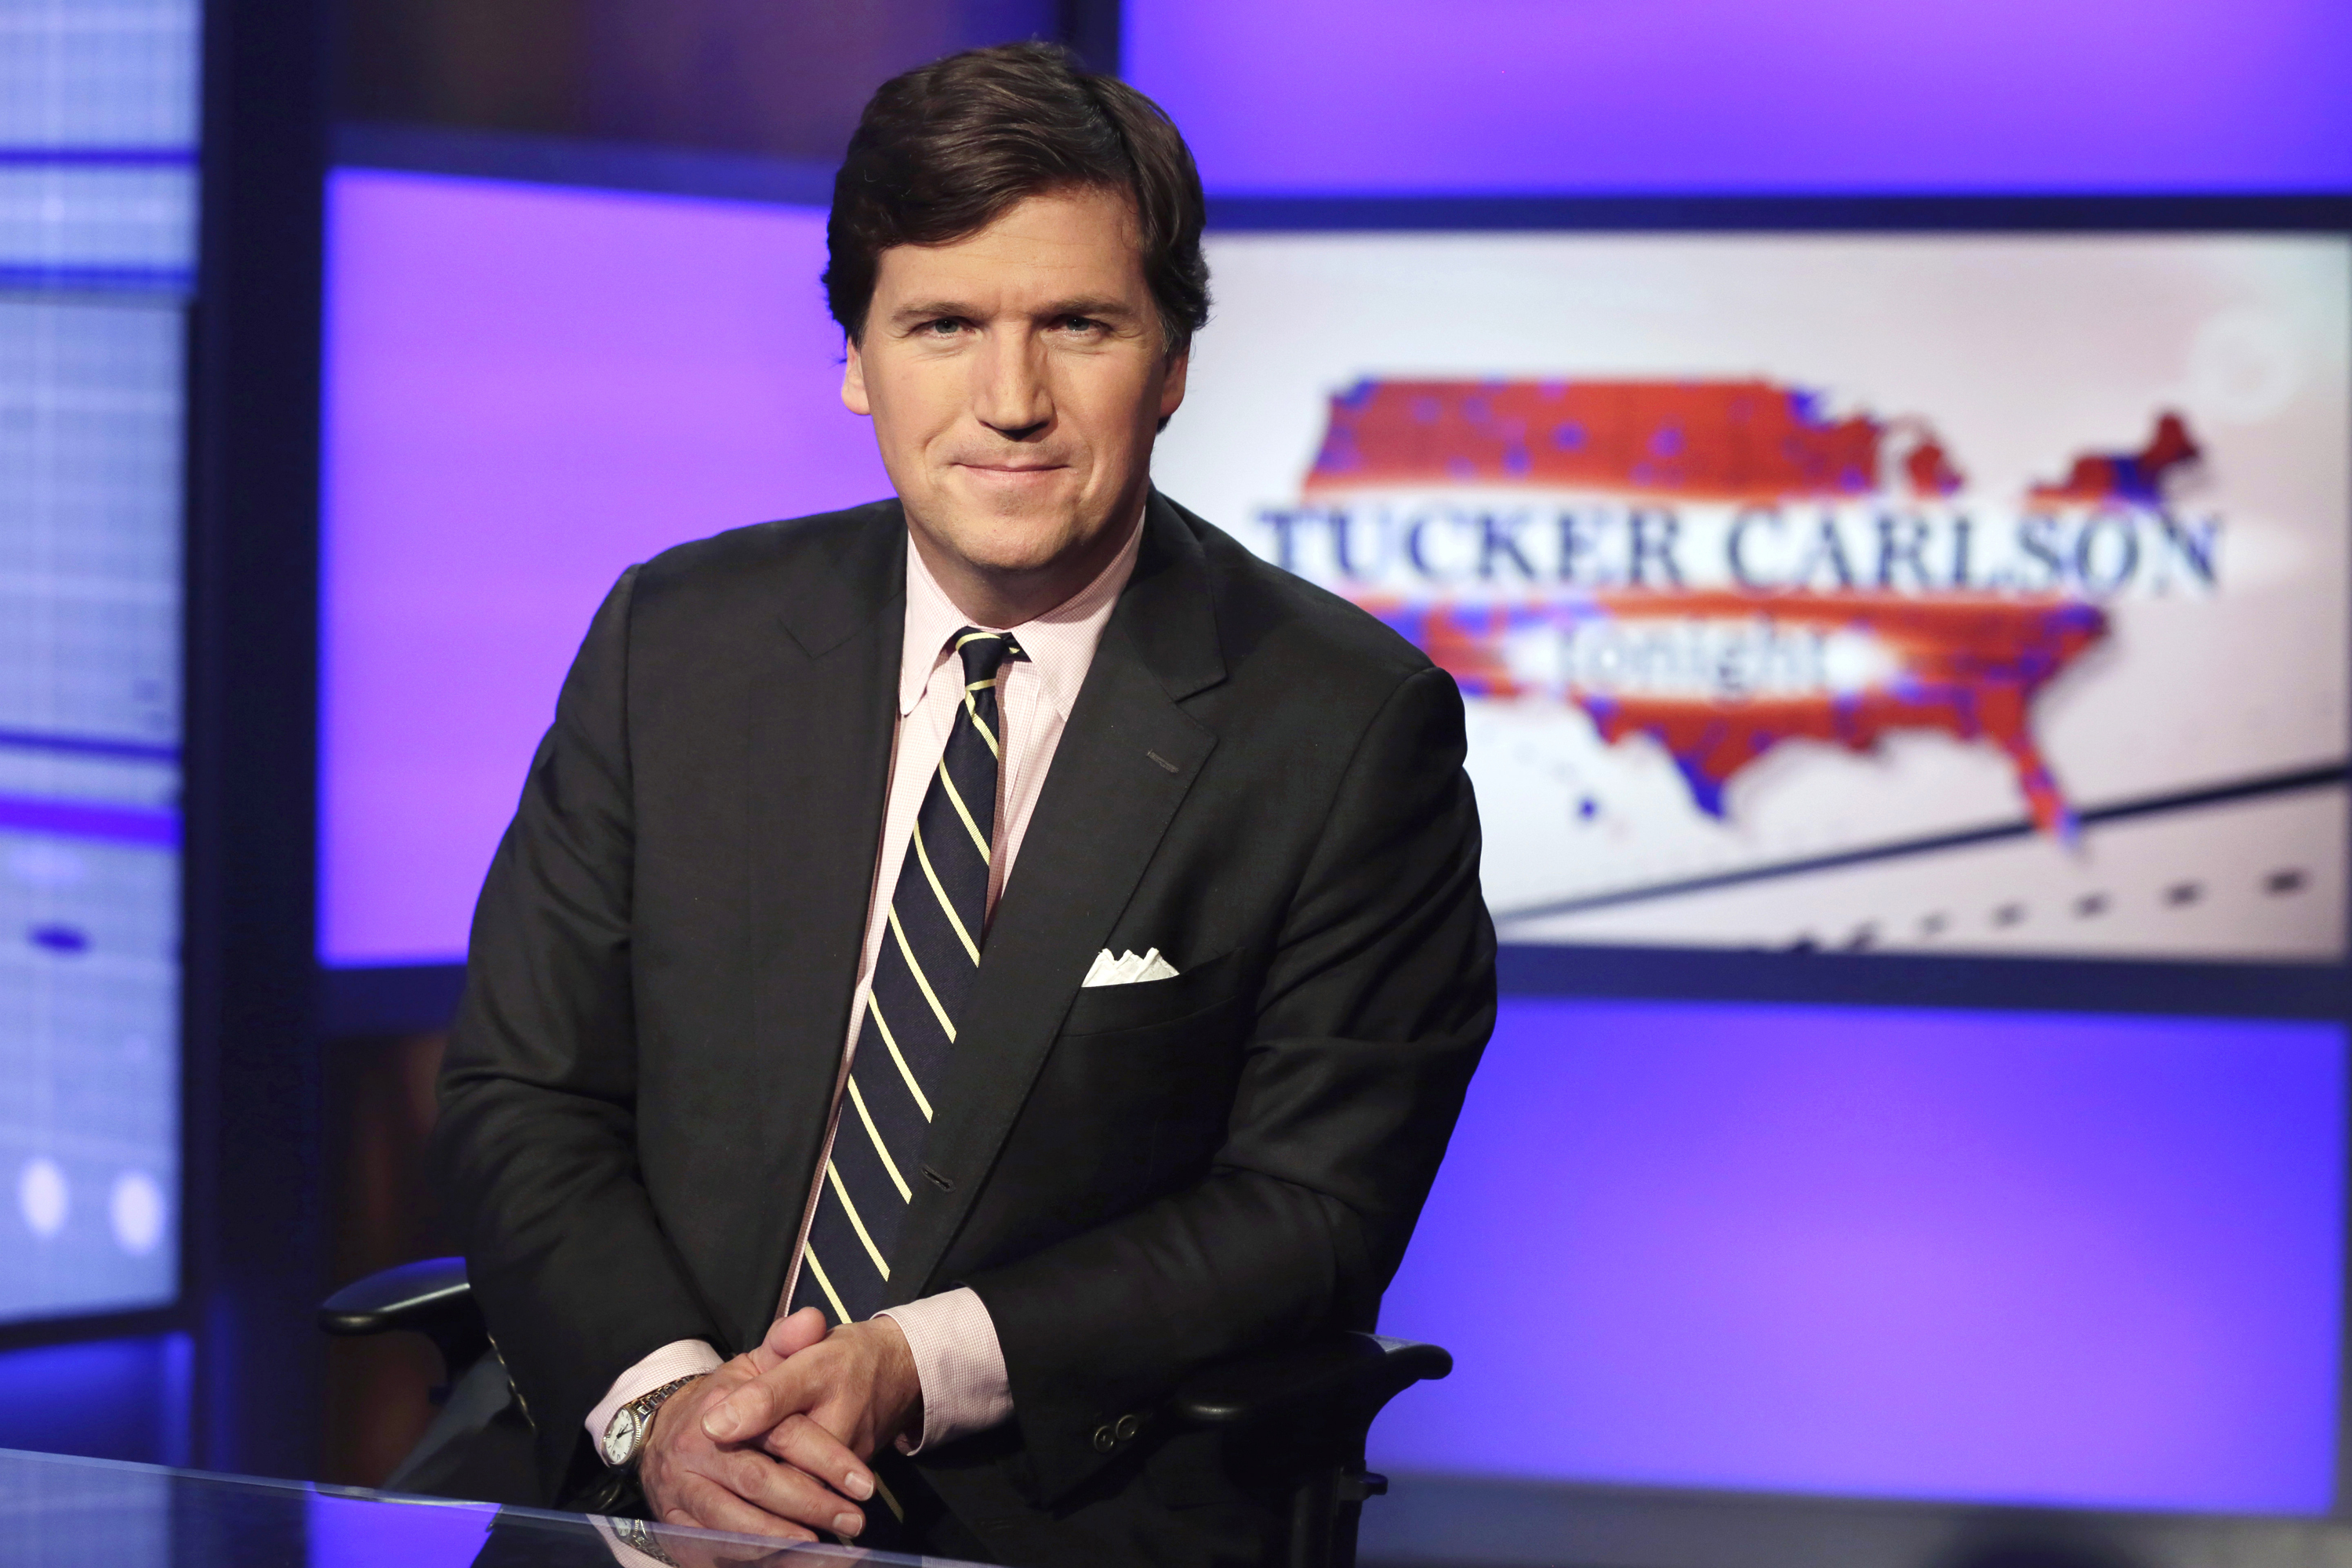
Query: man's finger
x=794, y=1332
x=713, y=1507
x=801, y=1442
x=787, y=1493
x=757, y=1405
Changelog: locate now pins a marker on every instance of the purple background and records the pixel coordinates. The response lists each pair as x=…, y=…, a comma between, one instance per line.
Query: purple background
x=1967, y=1256
x=1312, y=97
x=529, y=389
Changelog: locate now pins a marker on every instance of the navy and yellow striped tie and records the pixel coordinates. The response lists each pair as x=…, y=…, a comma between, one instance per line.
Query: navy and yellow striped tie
x=922, y=976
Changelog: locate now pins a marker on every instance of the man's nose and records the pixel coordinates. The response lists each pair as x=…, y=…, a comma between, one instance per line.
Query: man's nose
x=1013, y=398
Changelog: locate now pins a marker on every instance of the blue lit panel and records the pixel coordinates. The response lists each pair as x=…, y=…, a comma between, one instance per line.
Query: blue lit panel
x=105, y=226
x=99, y=75
x=1972, y=1256
x=102, y=1399
x=97, y=245
x=363, y=1532
x=1313, y=97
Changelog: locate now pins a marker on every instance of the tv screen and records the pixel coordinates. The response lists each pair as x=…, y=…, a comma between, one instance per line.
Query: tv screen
x=1946, y=592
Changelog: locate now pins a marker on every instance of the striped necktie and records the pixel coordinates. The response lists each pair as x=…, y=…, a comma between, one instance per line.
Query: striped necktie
x=922, y=976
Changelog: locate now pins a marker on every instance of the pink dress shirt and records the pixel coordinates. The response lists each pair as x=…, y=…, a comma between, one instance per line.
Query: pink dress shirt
x=957, y=1358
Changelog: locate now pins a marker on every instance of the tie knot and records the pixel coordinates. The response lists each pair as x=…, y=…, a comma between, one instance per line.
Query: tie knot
x=984, y=653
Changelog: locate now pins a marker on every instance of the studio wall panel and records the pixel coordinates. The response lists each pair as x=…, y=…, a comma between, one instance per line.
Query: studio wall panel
x=529, y=389
x=1990, y=1258
x=104, y=1399
x=1419, y=96
x=98, y=188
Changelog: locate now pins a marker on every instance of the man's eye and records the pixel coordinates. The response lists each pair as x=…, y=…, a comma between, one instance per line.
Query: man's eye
x=1085, y=326
x=945, y=327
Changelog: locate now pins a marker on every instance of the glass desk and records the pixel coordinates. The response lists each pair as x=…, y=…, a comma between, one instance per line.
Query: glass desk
x=58, y=1512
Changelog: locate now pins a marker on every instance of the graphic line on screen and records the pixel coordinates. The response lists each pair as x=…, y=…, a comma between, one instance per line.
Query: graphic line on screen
x=2301, y=779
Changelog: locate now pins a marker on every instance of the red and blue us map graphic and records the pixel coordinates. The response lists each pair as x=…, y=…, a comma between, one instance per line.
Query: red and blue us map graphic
x=1969, y=667
x=1965, y=663
x=1701, y=440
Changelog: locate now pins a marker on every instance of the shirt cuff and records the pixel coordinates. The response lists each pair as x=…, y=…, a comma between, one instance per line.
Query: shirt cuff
x=679, y=1357
x=958, y=1363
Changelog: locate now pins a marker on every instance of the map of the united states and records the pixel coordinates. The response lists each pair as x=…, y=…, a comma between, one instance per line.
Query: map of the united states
x=1843, y=652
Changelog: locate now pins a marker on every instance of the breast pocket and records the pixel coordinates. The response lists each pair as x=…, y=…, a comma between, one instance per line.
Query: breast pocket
x=1105, y=1009
x=1139, y=1085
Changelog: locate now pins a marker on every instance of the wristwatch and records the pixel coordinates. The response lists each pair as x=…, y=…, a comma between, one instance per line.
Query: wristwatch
x=625, y=1434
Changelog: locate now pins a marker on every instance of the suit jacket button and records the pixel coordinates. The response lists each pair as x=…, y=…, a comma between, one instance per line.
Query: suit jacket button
x=1127, y=1428
x=1105, y=1441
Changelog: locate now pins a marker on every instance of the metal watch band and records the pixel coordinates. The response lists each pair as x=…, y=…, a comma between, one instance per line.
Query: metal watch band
x=638, y=1536
x=643, y=1408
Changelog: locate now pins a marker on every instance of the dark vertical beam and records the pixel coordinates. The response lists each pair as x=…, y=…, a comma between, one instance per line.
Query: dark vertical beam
x=2340, y=1504
x=252, y=1102
x=2340, y=1499
x=1091, y=29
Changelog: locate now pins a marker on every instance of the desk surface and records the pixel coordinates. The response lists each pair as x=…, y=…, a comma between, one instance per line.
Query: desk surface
x=59, y=1513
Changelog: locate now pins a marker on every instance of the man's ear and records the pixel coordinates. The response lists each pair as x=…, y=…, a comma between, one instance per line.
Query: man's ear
x=853, y=381
x=1171, y=391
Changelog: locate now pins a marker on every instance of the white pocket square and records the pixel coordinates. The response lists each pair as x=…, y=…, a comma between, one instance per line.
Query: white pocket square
x=1127, y=969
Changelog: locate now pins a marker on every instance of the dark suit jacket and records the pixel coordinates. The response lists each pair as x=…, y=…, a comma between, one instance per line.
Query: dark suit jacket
x=1258, y=778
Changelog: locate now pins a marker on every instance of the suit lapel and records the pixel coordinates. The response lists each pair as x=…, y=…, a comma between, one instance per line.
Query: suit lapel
x=821, y=723
x=1126, y=761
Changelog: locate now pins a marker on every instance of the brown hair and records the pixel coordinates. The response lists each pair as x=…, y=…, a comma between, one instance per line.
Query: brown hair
x=944, y=150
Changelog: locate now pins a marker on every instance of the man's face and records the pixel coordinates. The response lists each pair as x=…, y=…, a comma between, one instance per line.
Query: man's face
x=1016, y=379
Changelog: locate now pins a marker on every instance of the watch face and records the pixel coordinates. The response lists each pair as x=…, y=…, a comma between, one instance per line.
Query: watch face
x=621, y=1435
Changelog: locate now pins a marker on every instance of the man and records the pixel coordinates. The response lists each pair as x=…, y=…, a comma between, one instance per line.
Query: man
x=978, y=958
